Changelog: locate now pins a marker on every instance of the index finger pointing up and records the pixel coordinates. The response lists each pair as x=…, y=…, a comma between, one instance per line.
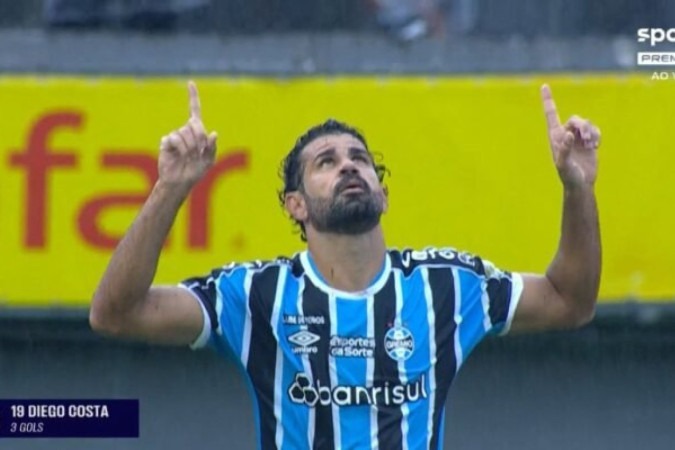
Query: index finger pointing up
x=551, y=112
x=195, y=106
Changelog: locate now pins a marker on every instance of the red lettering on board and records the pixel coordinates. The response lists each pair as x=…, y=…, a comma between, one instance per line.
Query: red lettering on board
x=198, y=205
x=37, y=160
x=88, y=217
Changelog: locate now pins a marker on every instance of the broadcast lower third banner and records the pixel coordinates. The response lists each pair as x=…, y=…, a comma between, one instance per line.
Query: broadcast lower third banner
x=69, y=418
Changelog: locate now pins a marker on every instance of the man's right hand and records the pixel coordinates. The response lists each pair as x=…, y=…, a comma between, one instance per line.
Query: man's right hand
x=186, y=154
x=125, y=303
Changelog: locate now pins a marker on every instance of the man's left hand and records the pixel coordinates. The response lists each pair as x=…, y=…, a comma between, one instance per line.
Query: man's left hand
x=574, y=145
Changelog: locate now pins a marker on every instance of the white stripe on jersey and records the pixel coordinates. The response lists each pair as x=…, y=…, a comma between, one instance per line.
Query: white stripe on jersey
x=485, y=300
x=516, y=291
x=431, y=321
x=402, y=375
x=370, y=370
x=278, y=300
x=311, y=416
x=332, y=370
x=207, y=327
x=279, y=366
x=459, y=357
x=246, y=339
x=220, y=305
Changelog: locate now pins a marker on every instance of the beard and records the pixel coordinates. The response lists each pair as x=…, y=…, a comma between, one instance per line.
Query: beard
x=348, y=213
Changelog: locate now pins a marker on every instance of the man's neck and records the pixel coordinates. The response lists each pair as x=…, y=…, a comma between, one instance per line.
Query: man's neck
x=348, y=263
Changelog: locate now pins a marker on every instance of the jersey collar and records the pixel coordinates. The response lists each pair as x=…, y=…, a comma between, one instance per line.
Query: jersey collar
x=318, y=280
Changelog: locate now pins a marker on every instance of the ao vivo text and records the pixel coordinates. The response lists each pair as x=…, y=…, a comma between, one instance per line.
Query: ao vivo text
x=38, y=161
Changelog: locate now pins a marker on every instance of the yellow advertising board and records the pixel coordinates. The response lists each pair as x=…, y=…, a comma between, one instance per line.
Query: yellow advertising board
x=469, y=160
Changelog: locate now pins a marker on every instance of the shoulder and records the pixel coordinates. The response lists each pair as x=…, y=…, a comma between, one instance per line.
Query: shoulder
x=290, y=265
x=244, y=269
x=258, y=264
x=408, y=260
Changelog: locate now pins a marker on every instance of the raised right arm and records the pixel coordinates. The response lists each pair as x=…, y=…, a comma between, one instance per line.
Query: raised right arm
x=125, y=303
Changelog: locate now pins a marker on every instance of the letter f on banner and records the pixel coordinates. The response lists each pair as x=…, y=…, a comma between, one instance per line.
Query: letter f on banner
x=37, y=161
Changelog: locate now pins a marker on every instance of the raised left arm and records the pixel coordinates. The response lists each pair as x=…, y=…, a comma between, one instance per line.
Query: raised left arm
x=565, y=296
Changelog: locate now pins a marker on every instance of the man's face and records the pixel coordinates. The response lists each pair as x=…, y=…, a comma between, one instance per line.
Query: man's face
x=340, y=190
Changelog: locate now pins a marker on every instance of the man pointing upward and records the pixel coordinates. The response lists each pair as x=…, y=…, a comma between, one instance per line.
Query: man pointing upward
x=348, y=344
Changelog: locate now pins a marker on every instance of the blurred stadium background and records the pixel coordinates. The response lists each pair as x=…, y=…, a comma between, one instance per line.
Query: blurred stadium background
x=447, y=90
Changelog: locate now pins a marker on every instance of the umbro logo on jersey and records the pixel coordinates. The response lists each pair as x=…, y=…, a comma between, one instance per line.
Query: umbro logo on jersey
x=303, y=338
x=303, y=341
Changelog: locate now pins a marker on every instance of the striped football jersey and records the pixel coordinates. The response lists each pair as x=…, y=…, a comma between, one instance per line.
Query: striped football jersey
x=331, y=369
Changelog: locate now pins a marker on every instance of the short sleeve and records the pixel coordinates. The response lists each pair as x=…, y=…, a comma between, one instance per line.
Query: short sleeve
x=502, y=291
x=222, y=295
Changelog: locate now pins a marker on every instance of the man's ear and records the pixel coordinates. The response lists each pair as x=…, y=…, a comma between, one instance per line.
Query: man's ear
x=385, y=205
x=296, y=206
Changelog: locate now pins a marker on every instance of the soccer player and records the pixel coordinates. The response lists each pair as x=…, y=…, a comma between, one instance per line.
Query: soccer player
x=348, y=344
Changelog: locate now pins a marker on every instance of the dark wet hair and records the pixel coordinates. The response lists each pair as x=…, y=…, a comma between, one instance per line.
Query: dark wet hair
x=291, y=168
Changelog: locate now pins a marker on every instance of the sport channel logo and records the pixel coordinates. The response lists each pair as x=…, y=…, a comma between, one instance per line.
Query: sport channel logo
x=654, y=36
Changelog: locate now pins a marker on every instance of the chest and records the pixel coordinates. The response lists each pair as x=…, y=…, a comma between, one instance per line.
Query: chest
x=374, y=335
